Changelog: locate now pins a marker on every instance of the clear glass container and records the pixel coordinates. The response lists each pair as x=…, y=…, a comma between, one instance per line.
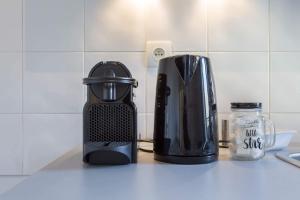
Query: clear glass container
x=248, y=132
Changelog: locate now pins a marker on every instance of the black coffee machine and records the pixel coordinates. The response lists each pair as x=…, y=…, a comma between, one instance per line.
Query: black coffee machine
x=185, y=125
x=109, y=116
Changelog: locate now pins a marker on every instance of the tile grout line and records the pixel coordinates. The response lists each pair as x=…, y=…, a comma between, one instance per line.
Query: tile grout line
x=292, y=113
x=191, y=51
x=269, y=57
x=146, y=100
x=22, y=93
x=45, y=113
x=84, y=47
x=6, y=52
x=206, y=26
x=145, y=13
x=146, y=73
x=139, y=113
x=10, y=113
x=84, y=10
x=52, y=51
x=72, y=51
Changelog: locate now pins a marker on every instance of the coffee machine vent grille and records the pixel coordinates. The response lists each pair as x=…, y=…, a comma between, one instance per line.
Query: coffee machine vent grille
x=110, y=123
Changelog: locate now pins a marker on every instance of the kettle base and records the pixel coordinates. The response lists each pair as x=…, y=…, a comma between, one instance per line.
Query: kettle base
x=187, y=160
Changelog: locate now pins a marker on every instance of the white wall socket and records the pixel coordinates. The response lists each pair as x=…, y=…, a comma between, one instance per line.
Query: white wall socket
x=156, y=50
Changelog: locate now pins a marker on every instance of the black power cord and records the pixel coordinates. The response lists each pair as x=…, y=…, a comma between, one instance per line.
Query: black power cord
x=222, y=145
x=144, y=149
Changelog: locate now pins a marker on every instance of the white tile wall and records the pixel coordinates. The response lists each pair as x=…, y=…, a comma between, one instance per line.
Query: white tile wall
x=150, y=125
x=284, y=26
x=53, y=82
x=176, y=20
x=252, y=44
x=47, y=136
x=240, y=77
x=142, y=126
x=53, y=25
x=285, y=82
x=10, y=25
x=150, y=89
x=11, y=144
x=238, y=25
x=114, y=25
x=11, y=74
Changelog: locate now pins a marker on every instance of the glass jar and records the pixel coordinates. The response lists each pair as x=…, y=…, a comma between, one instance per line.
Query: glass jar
x=248, y=132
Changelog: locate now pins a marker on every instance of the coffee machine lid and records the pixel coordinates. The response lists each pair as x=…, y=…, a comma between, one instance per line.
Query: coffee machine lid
x=110, y=81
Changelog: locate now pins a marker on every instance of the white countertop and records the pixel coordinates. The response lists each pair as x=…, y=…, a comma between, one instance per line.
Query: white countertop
x=69, y=179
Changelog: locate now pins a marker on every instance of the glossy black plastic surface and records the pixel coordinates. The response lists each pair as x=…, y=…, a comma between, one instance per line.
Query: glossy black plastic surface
x=185, y=124
x=109, y=116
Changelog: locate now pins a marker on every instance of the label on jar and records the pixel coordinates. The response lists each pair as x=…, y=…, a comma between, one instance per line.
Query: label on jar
x=251, y=139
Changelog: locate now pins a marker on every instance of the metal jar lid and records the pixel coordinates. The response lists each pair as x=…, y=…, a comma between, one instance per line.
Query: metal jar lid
x=247, y=105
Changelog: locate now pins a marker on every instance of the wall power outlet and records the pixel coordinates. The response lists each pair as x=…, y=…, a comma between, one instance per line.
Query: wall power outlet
x=156, y=50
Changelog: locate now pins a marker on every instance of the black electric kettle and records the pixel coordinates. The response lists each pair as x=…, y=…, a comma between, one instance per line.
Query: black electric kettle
x=185, y=125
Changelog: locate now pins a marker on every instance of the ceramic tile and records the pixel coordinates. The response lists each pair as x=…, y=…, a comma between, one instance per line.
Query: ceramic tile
x=53, y=82
x=11, y=144
x=240, y=77
x=114, y=25
x=284, y=79
x=182, y=23
x=284, y=30
x=150, y=125
x=133, y=61
x=53, y=25
x=151, y=77
x=46, y=137
x=238, y=26
x=287, y=121
x=142, y=129
x=11, y=82
x=10, y=25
